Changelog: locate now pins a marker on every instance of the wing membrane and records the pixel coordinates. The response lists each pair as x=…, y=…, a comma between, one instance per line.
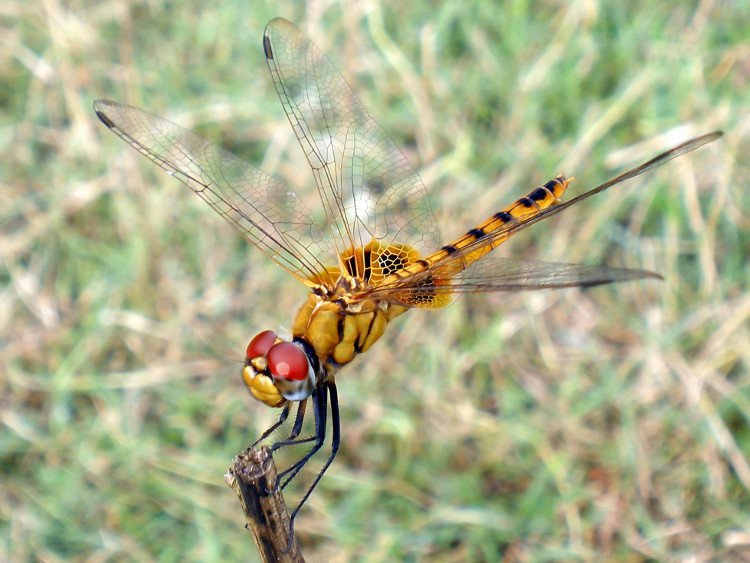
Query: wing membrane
x=509, y=274
x=517, y=225
x=263, y=209
x=457, y=272
x=367, y=186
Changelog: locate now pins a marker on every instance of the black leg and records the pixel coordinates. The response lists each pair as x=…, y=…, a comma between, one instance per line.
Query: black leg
x=335, y=442
x=297, y=428
x=282, y=418
x=320, y=413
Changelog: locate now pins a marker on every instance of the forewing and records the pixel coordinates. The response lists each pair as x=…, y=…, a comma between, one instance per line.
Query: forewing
x=367, y=186
x=264, y=210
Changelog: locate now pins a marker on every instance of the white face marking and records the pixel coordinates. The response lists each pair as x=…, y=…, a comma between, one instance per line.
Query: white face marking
x=297, y=390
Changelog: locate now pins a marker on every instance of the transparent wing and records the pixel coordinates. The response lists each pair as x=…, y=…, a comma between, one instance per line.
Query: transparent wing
x=467, y=270
x=504, y=274
x=516, y=225
x=264, y=210
x=507, y=274
x=367, y=186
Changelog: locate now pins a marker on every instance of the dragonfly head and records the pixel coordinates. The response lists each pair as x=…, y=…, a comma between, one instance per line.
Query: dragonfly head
x=277, y=371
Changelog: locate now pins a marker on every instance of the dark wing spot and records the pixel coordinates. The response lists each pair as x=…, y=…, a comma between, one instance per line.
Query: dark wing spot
x=267, y=47
x=351, y=265
x=390, y=262
x=368, y=265
x=422, y=296
x=104, y=119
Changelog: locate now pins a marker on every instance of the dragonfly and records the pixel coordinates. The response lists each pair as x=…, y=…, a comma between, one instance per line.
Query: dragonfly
x=373, y=249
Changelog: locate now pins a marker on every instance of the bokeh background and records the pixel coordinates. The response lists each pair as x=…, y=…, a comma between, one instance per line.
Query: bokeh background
x=579, y=425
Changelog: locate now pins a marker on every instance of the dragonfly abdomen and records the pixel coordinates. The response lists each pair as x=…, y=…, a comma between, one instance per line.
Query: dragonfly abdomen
x=438, y=267
x=538, y=199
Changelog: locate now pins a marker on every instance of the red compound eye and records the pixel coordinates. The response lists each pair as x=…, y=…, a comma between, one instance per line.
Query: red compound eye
x=260, y=345
x=287, y=361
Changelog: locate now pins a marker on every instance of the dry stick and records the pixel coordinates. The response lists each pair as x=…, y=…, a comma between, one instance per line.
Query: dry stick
x=253, y=477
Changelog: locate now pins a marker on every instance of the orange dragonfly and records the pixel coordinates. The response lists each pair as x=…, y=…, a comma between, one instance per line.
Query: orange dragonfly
x=375, y=250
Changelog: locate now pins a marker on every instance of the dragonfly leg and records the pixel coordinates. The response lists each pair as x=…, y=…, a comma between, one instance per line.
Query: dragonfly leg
x=282, y=418
x=335, y=442
x=320, y=412
x=292, y=440
x=299, y=419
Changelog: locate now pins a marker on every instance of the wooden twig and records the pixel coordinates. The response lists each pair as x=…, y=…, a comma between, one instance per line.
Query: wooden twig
x=253, y=478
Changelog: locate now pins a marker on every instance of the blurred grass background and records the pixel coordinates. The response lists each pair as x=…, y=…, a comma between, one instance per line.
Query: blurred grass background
x=580, y=425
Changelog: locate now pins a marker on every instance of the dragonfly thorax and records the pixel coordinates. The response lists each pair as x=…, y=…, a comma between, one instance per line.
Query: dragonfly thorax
x=338, y=329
